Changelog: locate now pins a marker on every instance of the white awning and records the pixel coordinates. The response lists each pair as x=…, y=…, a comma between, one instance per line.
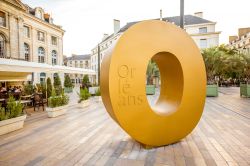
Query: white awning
x=10, y=65
x=17, y=70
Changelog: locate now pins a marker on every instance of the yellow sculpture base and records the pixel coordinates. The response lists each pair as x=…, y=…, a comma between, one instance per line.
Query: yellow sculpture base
x=183, y=83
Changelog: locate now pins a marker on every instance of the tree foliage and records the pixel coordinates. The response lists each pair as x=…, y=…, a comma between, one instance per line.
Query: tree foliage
x=67, y=82
x=49, y=87
x=152, y=70
x=225, y=63
x=57, y=85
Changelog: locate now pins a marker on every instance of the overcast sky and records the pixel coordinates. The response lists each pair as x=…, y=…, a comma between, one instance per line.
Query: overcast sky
x=85, y=21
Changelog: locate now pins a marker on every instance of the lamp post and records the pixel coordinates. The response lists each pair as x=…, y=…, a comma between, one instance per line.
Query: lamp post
x=182, y=14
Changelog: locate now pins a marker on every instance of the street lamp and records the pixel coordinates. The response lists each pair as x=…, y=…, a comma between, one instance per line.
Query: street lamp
x=182, y=14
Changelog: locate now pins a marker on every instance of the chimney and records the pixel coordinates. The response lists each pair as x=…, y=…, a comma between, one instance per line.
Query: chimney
x=161, y=14
x=243, y=31
x=199, y=14
x=116, y=26
x=232, y=38
x=105, y=35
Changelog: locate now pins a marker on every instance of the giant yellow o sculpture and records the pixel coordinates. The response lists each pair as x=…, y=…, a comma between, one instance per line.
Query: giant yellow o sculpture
x=183, y=83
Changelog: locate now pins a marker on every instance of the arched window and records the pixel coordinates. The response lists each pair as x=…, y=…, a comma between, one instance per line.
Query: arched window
x=54, y=57
x=2, y=19
x=2, y=47
x=42, y=78
x=26, y=52
x=41, y=55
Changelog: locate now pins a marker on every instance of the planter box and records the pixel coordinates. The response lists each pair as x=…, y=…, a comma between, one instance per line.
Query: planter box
x=85, y=103
x=98, y=99
x=212, y=90
x=57, y=111
x=92, y=90
x=9, y=125
x=245, y=90
x=150, y=89
x=68, y=90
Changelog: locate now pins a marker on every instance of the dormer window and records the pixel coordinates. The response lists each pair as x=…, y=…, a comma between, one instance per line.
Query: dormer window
x=39, y=14
x=2, y=19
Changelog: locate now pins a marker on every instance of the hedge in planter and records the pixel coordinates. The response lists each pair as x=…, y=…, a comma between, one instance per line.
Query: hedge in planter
x=57, y=101
x=14, y=109
x=12, y=118
x=68, y=86
x=49, y=87
x=245, y=90
x=57, y=85
x=57, y=105
x=83, y=97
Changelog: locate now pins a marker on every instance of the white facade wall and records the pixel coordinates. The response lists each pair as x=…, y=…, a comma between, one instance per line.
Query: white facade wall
x=16, y=18
x=211, y=37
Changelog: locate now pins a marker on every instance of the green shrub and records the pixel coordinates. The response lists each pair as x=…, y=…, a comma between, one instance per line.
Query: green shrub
x=49, y=87
x=58, y=85
x=98, y=92
x=14, y=108
x=67, y=82
x=85, y=82
x=3, y=116
x=57, y=101
x=83, y=95
x=28, y=89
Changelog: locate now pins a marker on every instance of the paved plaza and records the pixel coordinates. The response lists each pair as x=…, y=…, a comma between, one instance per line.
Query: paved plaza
x=90, y=137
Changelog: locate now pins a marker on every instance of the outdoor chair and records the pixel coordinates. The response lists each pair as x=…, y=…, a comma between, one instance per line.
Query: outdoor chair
x=17, y=95
x=38, y=101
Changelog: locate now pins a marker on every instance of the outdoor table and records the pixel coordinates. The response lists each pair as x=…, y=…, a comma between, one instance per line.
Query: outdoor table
x=26, y=97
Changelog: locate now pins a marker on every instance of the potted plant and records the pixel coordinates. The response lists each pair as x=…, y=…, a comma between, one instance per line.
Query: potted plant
x=211, y=57
x=84, y=97
x=68, y=86
x=49, y=87
x=57, y=85
x=98, y=97
x=152, y=71
x=12, y=118
x=245, y=85
x=57, y=105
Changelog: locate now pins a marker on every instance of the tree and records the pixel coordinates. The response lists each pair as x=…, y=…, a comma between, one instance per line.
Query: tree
x=49, y=87
x=85, y=82
x=225, y=63
x=57, y=85
x=67, y=82
x=213, y=62
x=152, y=71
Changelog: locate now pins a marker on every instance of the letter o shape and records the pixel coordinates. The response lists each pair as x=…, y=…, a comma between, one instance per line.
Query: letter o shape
x=183, y=83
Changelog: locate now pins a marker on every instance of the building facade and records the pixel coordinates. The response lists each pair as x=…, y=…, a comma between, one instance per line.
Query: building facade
x=242, y=41
x=201, y=30
x=29, y=34
x=78, y=61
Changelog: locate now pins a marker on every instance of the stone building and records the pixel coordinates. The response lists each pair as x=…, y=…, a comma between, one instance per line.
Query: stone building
x=78, y=61
x=242, y=41
x=201, y=30
x=29, y=34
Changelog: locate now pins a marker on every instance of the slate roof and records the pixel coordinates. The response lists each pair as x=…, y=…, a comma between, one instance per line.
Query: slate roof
x=188, y=20
x=79, y=57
